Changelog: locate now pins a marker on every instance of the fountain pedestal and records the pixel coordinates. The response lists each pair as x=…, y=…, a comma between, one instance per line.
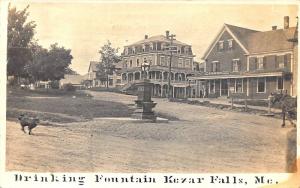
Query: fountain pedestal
x=144, y=104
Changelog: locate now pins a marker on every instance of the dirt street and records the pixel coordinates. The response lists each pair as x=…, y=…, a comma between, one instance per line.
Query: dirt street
x=203, y=140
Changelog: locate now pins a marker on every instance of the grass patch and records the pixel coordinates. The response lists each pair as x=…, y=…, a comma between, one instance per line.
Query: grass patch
x=52, y=106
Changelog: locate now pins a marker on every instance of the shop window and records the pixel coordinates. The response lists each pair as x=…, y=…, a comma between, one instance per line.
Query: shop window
x=261, y=85
x=212, y=86
x=279, y=83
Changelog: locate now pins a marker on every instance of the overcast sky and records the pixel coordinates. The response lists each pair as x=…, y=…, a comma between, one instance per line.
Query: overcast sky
x=85, y=27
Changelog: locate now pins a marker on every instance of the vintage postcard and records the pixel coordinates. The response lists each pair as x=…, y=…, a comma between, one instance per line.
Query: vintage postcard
x=149, y=94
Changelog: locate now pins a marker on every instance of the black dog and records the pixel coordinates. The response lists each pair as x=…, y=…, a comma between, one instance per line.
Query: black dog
x=28, y=121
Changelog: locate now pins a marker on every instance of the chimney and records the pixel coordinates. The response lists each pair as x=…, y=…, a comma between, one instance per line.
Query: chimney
x=274, y=27
x=167, y=34
x=286, y=22
x=146, y=36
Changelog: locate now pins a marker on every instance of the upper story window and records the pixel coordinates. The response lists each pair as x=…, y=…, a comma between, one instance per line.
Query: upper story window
x=260, y=63
x=187, y=63
x=125, y=63
x=215, y=66
x=162, y=60
x=137, y=62
x=220, y=45
x=126, y=50
x=236, y=65
x=147, y=47
x=230, y=44
x=158, y=45
x=180, y=62
x=182, y=49
x=150, y=60
x=151, y=46
x=130, y=63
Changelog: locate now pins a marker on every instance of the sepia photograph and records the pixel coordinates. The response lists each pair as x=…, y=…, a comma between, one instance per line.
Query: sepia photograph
x=151, y=87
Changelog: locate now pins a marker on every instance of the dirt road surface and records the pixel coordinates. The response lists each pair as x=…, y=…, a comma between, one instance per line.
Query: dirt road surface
x=203, y=140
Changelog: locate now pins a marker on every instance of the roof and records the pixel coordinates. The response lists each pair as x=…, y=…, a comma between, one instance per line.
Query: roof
x=93, y=66
x=268, y=41
x=254, y=42
x=160, y=38
x=73, y=79
x=241, y=33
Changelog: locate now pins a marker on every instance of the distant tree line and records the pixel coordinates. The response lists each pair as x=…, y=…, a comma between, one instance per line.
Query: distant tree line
x=26, y=58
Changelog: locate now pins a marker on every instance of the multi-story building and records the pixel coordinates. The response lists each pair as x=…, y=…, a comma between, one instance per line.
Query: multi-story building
x=249, y=63
x=154, y=51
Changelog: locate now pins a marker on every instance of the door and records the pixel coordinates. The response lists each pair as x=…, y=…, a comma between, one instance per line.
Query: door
x=224, y=87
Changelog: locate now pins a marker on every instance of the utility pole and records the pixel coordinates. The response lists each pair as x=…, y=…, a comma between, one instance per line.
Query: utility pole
x=170, y=65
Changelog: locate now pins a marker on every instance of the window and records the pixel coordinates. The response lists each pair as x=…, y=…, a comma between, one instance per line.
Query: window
x=159, y=46
x=125, y=64
x=118, y=81
x=167, y=61
x=162, y=60
x=239, y=85
x=215, y=66
x=236, y=65
x=130, y=63
x=261, y=85
x=187, y=63
x=212, y=86
x=279, y=83
x=260, y=63
x=230, y=44
x=221, y=45
x=137, y=62
x=180, y=62
x=147, y=48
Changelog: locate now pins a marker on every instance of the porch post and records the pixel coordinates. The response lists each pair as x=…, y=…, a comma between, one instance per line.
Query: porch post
x=228, y=84
x=173, y=91
x=247, y=87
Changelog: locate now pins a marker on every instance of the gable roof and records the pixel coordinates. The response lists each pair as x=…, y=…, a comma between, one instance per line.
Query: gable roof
x=253, y=41
x=93, y=66
x=241, y=33
x=159, y=38
x=236, y=33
